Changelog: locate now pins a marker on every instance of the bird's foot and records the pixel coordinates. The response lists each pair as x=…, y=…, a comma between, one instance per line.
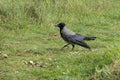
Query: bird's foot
x=64, y=46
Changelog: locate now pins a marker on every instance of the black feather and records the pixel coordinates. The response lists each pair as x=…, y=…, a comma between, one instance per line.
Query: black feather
x=89, y=38
x=76, y=39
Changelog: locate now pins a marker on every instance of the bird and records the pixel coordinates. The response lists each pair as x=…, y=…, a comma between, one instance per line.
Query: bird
x=73, y=38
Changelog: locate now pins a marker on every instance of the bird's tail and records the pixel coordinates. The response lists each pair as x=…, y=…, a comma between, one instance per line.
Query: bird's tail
x=89, y=38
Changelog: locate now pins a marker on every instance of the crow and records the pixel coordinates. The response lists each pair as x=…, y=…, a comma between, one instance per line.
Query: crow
x=73, y=38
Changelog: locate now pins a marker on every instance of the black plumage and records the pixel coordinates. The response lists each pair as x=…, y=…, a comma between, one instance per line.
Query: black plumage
x=72, y=38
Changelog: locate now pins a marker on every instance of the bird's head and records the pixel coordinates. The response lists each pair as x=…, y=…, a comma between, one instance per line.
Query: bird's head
x=60, y=25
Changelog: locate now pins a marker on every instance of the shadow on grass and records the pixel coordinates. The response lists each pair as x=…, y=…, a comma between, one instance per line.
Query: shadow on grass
x=65, y=50
x=57, y=50
x=53, y=49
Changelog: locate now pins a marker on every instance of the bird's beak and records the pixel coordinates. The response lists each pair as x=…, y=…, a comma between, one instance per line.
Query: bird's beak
x=56, y=25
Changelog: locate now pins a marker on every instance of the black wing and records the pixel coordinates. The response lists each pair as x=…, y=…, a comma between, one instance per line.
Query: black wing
x=77, y=39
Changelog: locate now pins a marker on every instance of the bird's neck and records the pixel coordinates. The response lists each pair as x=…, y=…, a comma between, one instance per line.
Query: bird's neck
x=61, y=28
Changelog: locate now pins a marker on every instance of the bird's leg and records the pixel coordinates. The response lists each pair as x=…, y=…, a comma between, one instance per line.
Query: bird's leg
x=90, y=49
x=65, y=46
x=73, y=46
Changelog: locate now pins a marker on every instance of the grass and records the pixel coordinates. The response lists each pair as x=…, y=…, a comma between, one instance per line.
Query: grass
x=30, y=44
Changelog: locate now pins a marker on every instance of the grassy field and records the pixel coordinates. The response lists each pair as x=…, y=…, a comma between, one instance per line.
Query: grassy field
x=30, y=44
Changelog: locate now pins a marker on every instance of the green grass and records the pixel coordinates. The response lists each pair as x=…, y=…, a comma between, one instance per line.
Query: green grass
x=30, y=44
